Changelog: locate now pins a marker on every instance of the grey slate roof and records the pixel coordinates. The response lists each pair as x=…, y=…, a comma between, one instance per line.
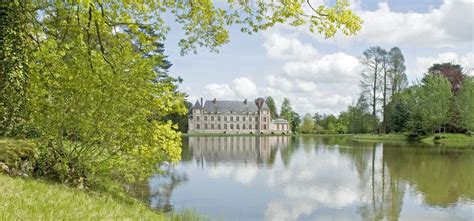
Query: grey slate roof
x=234, y=106
x=197, y=105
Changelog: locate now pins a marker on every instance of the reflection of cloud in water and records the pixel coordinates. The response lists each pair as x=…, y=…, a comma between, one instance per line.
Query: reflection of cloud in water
x=243, y=174
x=313, y=180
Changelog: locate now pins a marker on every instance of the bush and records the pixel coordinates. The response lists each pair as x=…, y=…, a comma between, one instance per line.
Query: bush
x=469, y=133
x=437, y=137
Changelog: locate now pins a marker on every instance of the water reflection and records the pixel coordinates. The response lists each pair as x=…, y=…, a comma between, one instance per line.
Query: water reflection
x=317, y=178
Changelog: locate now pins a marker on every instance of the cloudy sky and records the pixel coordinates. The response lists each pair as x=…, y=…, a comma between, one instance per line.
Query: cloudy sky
x=321, y=75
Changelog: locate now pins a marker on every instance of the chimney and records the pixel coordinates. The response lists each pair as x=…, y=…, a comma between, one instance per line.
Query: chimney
x=245, y=101
x=201, y=102
x=214, y=101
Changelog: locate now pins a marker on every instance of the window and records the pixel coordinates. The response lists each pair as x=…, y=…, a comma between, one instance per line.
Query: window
x=256, y=118
x=197, y=118
x=231, y=126
x=238, y=126
x=231, y=118
x=237, y=118
x=250, y=118
x=212, y=126
x=219, y=126
x=243, y=118
x=250, y=126
x=264, y=119
x=212, y=118
x=198, y=126
x=205, y=126
x=219, y=119
x=243, y=126
x=205, y=118
x=256, y=126
x=225, y=118
x=264, y=126
x=225, y=126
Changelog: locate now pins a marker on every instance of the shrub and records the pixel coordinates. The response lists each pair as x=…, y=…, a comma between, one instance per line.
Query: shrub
x=469, y=133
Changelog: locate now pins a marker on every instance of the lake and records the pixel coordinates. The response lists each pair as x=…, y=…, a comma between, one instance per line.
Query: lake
x=315, y=178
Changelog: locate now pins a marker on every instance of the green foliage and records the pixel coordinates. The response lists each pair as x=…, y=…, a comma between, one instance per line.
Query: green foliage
x=180, y=119
x=429, y=104
x=205, y=22
x=397, y=113
x=92, y=97
x=291, y=116
x=13, y=67
x=271, y=104
x=465, y=100
x=308, y=125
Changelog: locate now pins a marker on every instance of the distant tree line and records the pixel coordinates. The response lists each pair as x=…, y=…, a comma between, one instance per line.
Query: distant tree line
x=442, y=101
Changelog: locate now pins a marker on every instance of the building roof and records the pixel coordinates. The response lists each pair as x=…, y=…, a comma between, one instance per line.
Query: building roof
x=197, y=105
x=222, y=106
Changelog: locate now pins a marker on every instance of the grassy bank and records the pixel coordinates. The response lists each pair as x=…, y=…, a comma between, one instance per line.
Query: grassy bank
x=449, y=139
x=31, y=199
x=27, y=199
x=380, y=137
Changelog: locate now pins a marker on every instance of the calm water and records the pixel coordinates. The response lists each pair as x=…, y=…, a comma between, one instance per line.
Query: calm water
x=316, y=178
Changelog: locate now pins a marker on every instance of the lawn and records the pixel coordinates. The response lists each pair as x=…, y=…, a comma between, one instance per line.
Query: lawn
x=449, y=139
x=380, y=137
x=33, y=199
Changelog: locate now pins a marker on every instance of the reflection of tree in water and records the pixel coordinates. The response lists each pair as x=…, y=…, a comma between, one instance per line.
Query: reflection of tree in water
x=158, y=190
x=384, y=194
x=287, y=152
x=443, y=177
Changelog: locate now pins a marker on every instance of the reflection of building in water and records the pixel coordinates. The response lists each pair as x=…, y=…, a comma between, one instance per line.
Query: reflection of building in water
x=250, y=149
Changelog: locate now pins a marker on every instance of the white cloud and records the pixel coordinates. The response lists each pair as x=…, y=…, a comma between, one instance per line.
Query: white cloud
x=423, y=63
x=239, y=88
x=314, y=82
x=448, y=25
x=286, y=47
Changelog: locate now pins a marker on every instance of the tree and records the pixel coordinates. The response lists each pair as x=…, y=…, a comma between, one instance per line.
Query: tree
x=385, y=58
x=429, y=104
x=372, y=60
x=13, y=67
x=308, y=125
x=295, y=122
x=286, y=109
x=271, y=104
x=397, y=68
x=180, y=119
x=453, y=72
x=359, y=118
x=397, y=113
x=465, y=99
x=92, y=95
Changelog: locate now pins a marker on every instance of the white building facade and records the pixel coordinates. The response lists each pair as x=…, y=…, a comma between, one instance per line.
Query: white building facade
x=234, y=117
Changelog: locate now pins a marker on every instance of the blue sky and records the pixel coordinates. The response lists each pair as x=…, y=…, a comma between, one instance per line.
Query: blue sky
x=321, y=75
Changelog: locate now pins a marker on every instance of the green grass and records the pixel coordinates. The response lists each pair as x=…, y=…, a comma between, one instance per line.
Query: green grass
x=28, y=199
x=380, y=137
x=449, y=139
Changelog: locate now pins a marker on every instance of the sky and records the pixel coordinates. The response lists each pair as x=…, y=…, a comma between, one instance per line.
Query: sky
x=322, y=75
